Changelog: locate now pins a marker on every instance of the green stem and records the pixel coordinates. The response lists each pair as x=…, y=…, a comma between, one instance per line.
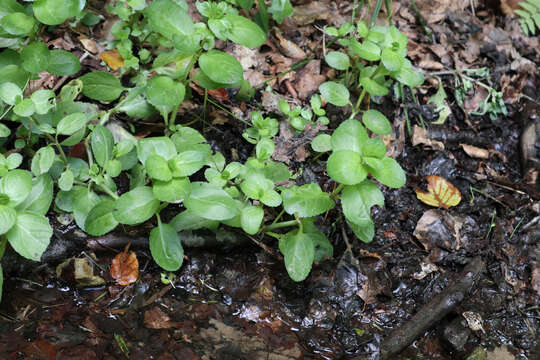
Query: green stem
x=108, y=191
x=274, y=235
x=280, y=225
x=278, y=217
x=336, y=191
x=3, y=243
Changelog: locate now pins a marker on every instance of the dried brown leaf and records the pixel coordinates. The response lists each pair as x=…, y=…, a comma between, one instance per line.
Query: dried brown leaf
x=125, y=267
x=112, y=58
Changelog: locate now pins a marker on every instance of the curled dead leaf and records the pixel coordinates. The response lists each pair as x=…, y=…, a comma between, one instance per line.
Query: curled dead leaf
x=475, y=152
x=441, y=193
x=125, y=267
x=112, y=58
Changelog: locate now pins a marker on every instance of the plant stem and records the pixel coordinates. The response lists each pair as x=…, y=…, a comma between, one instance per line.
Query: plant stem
x=278, y=217
x=337, y=190
x=108, y=191
x=280, y=225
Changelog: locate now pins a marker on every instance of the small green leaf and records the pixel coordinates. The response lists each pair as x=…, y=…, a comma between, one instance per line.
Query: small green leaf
x=100, y=219
x=171, y=191
x=83, y=201
x=376, y=122
x=251, y=218
x=264, y=149
x=71, y=124
x=188, y=220
x=322, y=143
x=62, y=62
x=65, y=182
x=169, y=19
x=136, y=206
x=357, y=201
x=367, y=50
x=187, y=163
x=102, y=143
x=166, y=247
x=391, y=60
x=244, y=31
x=14, y=160
x=164, y=93
x=8, y=216
x=221, y=67
x=335, y=93
x=24, y=108
x=35, y=57
x=298, y=252
x=40, y=198
x=54, y=12
x=30, y=235
x=17, y=184
x=345, y=166
x=10, y=93
x=350, y=135
x=211, y=202
x=17, y=24
x=338, y=60
x=280, y=9
x=387, y=171
x=373, y=87
x=306, y=201
x=374, y=147
x=162, y=146
x=42, y=160
x=157, y=168
x=101, y=86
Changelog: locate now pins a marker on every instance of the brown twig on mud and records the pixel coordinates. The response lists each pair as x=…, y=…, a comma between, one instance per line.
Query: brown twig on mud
x=433, y=311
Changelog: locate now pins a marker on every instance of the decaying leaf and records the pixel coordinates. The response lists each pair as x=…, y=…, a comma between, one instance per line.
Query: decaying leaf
x=475, y=152
x=441, y=193
x=112, y=58
x=125, y=267
x=157, y=319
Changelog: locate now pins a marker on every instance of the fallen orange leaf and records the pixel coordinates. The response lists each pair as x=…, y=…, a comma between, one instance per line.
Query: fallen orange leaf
x=441, y=193
x=112, y=58
x=125, y=267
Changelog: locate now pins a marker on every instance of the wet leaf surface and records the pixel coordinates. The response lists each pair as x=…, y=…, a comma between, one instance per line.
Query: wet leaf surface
x=125, y=267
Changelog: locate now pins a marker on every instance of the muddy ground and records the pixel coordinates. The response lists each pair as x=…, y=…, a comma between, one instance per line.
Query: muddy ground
x=232, y=299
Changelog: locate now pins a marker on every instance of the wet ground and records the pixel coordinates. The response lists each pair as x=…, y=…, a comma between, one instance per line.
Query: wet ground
x=232, y=299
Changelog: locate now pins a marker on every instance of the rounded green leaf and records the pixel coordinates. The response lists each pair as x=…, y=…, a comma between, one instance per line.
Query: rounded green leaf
x=157, y=168
x=171, y=191
x=24, y=108
x=83, y=201
x=62, y=62
x=376, y=122
x=391, y=59
x=30, y=235
x=65, y=182
x=10, y=93
x=35, y=57
x=211, y=202
x=41, y=196
x=169, y=19
x=100, y=219
x=251, y=219
x=136, y=206
x=357, y=201
x=322, y=143
x=8, y=215
x=14, y=160
x=298, y=252
x=102, y=143
x=101, y=86
x=373, y=87
x=17, y=24
x=338, y=60
x=162, y=91
x=162, y=146
x=345, y=166
x=54, y=12
x=244, y=31
x=388, y=172
x=367, y=50
x=306, y=201
x=71, y=123
x=221, y=67
x=187, y=163
x=335, y=93
x=43, y=160
x=350, y=135
x=43, y=101
x=16, y=184
x=188, y=220
x=166, y=247
x=364, y=233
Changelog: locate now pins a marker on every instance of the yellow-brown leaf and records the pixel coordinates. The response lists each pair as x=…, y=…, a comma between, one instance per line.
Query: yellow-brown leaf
x=112, y=58
x=441, y=193
x=125, y=267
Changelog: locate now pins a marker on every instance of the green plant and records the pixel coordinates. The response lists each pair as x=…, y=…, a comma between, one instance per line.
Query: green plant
x=164, y=170
x=530, y=16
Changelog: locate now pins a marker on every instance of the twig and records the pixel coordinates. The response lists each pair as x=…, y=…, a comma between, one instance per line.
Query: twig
x=432, y=312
